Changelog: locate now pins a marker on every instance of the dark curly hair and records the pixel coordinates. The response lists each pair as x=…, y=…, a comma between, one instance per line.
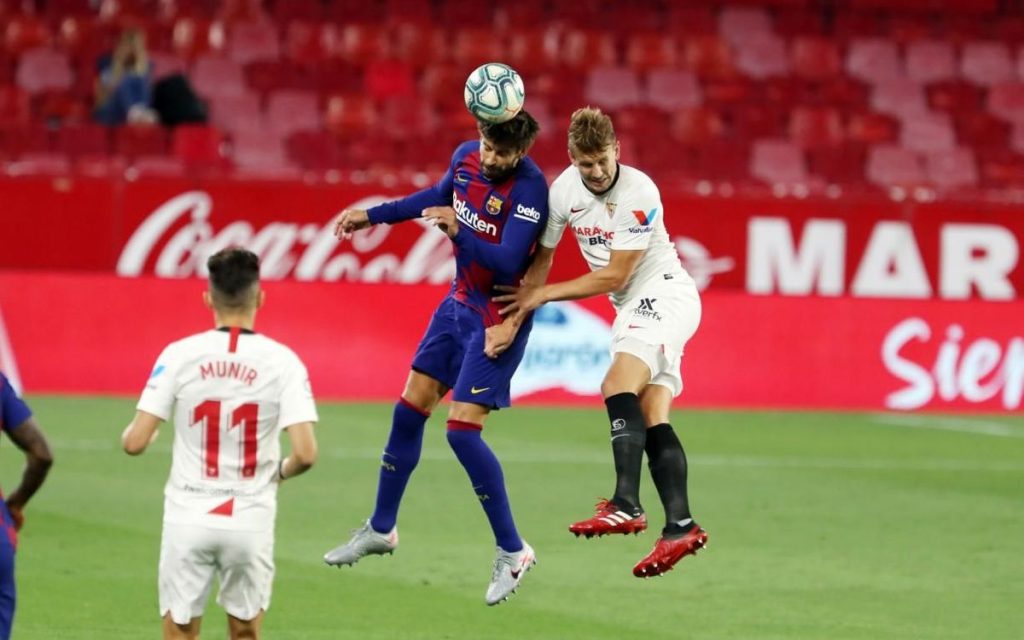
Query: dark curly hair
x=234, y=278
x=517, y=133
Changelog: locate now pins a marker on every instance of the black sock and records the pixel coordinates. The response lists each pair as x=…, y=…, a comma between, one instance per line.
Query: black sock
x=667, y=461
x=627, y=433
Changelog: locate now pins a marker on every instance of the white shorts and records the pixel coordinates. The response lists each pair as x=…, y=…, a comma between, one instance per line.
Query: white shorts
x=243, y=562
x=655, y=326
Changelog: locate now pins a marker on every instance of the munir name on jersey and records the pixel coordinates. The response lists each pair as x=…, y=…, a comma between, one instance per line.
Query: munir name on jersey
x=226, y=369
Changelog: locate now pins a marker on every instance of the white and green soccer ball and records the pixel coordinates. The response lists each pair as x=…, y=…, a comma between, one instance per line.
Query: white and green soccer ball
x=494, y=93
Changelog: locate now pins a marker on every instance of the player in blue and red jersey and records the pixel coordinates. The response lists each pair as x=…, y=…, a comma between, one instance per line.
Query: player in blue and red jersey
x=17, y=422
x=492, y=202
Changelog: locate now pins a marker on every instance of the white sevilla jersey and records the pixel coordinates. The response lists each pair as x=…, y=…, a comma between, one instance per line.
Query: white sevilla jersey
x=629, y=216
x=231, y=394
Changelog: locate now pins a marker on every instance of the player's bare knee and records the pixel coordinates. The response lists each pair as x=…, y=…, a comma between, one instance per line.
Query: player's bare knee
x=655, y=402
x=423, y=392
x=244, y=629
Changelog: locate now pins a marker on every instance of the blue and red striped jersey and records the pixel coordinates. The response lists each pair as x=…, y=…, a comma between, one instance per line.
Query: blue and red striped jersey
x=13, y=410
x=499, y=223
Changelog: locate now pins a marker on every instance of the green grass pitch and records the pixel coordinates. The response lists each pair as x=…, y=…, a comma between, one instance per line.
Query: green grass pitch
x=822, y=525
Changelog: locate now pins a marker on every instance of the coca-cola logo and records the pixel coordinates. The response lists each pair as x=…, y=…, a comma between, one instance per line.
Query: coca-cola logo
x=303, y=251
x=976, y=371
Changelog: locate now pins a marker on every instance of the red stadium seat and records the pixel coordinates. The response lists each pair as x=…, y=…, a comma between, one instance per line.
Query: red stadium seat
x=890, y=166
x=641, y=122
x=25, y=138
x=443, y=84
x=900, y=98
x=190, y=37
x=346, y=11
x=1006, y=100
x=987, y=63
x=874, y=60
x=404, y=119
x=288, y=11
x=158, y=166
x=43, y=69
x=314, y=150
x=477, y=43
x=582, y=49
x=838, y=165
x=415, y=10
x=928, y=132
x=362, y=43
x=198, y=146
x=524, y=14
x=955, y=96
x=420, y=45
x=931, y=61
x=135, y=141
x=811, y=127
x=952, y=168
x=237, y=113
x=348, y=115
x=612, y=87
x=252, y=41
x=778, y=162
x=685, y=19
x=696, y=126
x=257, y=150
x=815, y=58
x=709, y=57
x=762, y=57
x=165, y=64
x=24, y=32
x=754, y=120
x=646, y=51
x=982, y=130
x=49, y=164
x=532, y=50
x=670, y=89
x=739, y=24
x=868, y=127
x=76, y=140
x=290, y=110
x=309, y=43
x=14, y=106
x=471, y=13
x=387, y=79
x=215, y=76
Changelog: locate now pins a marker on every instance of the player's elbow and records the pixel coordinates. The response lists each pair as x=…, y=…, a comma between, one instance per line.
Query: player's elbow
x=133, y=448
x=616, y=280
x=305, y=456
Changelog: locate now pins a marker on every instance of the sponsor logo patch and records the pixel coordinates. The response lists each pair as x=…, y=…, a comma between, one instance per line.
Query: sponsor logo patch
x=527, y=213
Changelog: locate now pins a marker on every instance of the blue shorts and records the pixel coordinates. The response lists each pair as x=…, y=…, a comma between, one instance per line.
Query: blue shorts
x=8, y=540
x=452, y=352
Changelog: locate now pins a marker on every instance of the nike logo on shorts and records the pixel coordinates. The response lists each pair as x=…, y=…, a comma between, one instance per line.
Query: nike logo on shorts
x=475, y=391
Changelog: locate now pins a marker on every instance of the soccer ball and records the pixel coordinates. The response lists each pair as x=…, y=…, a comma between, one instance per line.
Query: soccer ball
x=494, y=93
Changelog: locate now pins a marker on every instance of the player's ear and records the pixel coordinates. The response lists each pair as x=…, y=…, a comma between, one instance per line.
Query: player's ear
x=616, y=150
x=207, y=300
x=261, y=298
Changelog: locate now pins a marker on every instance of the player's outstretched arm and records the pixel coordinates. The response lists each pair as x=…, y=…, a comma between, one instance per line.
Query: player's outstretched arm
x=498, y=338
x=140, y=433
x=38, y=459
x=350, y=221
x=304, y=451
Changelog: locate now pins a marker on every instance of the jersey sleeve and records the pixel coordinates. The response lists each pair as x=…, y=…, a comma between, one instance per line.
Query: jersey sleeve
x=13, y=410
x=159, y=395
x=528, y=214
x=558, y=218
x=297, y=403
x=437, y=195
x=635, y=218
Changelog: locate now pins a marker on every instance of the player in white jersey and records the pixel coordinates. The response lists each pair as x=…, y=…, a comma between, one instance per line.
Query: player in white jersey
x=616, y=214
x=232, y=392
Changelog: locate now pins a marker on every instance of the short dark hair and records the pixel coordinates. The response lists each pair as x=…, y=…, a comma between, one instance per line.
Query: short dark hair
x=234, y=278
x=518, y=133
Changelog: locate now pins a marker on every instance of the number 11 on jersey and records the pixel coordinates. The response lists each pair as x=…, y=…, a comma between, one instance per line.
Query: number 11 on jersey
x=245, y=418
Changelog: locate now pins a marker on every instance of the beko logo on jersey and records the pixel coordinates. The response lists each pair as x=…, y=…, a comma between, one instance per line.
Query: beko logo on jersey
x=527, y=213
x=472, y=219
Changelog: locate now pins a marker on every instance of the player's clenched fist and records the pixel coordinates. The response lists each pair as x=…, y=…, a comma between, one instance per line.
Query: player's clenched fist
x=350, y=220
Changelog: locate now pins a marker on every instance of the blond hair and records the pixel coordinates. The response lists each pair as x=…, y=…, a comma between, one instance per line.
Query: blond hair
x=590, y=131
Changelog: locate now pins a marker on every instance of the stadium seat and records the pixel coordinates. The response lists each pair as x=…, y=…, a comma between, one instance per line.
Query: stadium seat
x=14, y=106
x=583, y=49
x=532, y=50
x=955, y=97
x=778, y=162
x=869, y=127
x=1006, y=100
x=981, y=130
x=403, y=119
x=670, y=89
x=362, y=43
x=253, y=41
x=815, y=58
x=695, y=126
x=470, y=13
x=237, y=113
x=899, y=98
x=790, y=23
x=709, y=57
x=811, y=127
x=289, y=11
x=612, y=87
x=74, y=140
x=641, y=122
x=838, y=165
x=951, y=168
x=752, y=120
x=45, y=163
x=762, y=57
x=420, y=45
x=987, y=63
x=928, y=132
x=289, y=110
x=158, y=166
x=413, y=10
x=190, y=36
x=874, y=60
x=43, y=69
x=739, y=24
x=213, y=76
x=257, y=150
x=930, y=61
x=347, y=115
x=315, y=150
x=33, y=137
x=723, y=160
x=892, y=166
x=646, y=51
x=135, y=141
x=441, y=83
x=476, y=43
x=512, y=16
x=25, y=32
x=309, y=42
x=165, y=64
x=390, y=79
x=198, y=146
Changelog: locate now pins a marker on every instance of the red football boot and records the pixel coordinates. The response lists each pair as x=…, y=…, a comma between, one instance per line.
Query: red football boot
x=668, y=551
x=609, y=518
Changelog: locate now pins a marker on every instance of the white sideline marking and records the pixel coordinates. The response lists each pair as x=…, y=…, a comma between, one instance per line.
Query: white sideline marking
x=944, y=423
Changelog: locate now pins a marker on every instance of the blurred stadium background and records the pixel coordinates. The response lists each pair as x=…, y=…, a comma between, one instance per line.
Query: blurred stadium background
x=844, y=179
